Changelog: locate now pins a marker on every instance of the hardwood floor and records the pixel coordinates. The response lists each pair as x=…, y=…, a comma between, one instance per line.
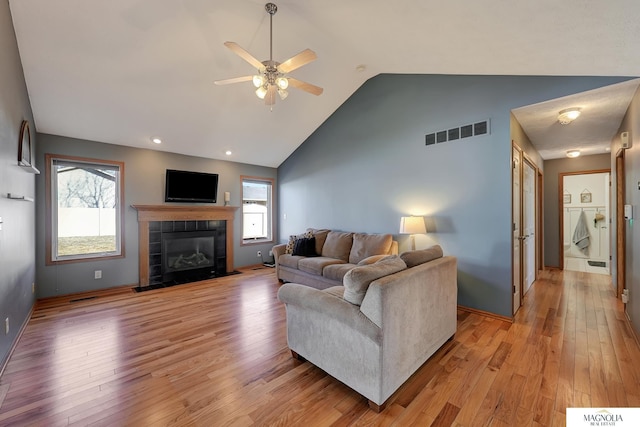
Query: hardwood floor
x=214, y=353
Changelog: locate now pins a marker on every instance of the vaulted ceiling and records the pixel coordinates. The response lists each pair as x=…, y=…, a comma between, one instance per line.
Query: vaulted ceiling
x=124, y=71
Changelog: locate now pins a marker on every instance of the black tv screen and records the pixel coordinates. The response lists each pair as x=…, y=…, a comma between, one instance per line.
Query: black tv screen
x=186, y=186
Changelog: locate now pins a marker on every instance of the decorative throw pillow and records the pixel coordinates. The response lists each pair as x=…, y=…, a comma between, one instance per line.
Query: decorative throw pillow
x=292, y=241
x=413, y=258
x=305, y=246
x=357, y=280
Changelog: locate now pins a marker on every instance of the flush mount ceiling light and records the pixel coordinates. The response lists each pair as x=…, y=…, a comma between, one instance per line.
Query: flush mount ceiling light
x=573, y=153
x=568, y=115
x=272, y=76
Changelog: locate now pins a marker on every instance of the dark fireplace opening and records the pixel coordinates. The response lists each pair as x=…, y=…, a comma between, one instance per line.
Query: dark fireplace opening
x=186, y=251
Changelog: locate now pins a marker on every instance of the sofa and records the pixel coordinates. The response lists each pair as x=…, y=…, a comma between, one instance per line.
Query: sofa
x=320, y=258
x=381, y=326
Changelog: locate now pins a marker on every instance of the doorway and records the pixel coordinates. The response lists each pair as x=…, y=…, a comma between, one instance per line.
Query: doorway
x=525, y=213
x=585, y=221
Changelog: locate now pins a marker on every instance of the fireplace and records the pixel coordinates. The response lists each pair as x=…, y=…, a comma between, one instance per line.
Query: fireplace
x=179, y=244
x=186, y=255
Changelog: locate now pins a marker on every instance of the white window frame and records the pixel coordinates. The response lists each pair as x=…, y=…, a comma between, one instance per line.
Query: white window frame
x=270, y=182
x=51, y=201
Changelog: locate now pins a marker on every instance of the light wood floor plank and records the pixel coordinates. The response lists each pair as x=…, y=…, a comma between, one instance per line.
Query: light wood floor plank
x=215, y=353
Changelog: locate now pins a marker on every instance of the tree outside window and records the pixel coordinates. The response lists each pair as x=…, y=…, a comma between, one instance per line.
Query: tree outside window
x=84, y=209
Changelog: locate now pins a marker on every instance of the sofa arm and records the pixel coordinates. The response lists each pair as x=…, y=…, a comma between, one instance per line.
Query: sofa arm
x=278, y=250
x=330, y=306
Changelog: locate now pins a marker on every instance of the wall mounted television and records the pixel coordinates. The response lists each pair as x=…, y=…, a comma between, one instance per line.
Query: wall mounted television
x=190, y=187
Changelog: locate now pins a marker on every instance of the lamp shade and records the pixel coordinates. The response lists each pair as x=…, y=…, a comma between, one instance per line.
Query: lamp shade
x=412, y=225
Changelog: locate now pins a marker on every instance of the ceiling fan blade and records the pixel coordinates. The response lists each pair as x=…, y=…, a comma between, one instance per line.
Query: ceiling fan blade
x=270, y=97
x=307, y=87
x=244, y=55
x=234, y=80
x=297, y=61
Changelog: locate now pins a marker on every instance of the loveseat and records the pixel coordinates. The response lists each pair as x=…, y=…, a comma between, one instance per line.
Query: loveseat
x=374, y=332
x=321, y=258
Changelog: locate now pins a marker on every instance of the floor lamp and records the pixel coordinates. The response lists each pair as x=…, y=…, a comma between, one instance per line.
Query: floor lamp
x=412, y=225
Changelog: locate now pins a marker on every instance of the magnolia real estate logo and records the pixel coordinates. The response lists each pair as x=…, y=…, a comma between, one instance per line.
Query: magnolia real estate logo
x=599, y=417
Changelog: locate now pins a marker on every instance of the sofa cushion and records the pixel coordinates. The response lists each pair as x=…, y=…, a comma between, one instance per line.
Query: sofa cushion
x=337, y=245
x=336, y=271
x=315, y=265
x=321, y=236
x=365, y=245
x=292, y=241
x=289, y=260
x=305, y=247
x=357, y=281
x=413, y=258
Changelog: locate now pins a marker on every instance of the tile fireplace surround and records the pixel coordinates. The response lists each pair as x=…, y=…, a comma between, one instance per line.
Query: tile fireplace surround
x=148, y=213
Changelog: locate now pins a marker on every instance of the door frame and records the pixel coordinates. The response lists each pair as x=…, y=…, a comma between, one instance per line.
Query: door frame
x=537, y=211
x=621, y=254
x=561, y=176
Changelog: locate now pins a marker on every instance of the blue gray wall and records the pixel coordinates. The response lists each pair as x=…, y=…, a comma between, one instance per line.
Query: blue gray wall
x=367, y=166
x=17, y=237
x=631, y=124
x=144, y=185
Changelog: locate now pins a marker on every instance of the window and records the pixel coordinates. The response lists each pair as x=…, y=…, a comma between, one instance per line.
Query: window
x=84, y=200
x=257, y=209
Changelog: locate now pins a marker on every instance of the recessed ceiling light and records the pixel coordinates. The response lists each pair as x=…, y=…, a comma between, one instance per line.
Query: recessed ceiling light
x=156, y=140
x=360, y=68
x=573, y=153
x=228, y=152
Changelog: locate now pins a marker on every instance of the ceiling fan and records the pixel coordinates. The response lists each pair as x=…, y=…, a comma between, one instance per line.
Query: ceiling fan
x=272, y=76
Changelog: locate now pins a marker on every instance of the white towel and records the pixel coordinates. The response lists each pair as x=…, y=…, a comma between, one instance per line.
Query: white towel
x=581, y=234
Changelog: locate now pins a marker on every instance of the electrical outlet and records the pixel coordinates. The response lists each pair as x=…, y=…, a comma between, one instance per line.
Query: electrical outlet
x=97, y=274
x=259, y=254
x=270, y=253
x=6, y=326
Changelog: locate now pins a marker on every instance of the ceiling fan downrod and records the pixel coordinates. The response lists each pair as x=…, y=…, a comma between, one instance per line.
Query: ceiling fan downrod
x=271, y=9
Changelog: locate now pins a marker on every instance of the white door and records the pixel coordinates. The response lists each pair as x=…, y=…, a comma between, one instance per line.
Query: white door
x=517, y=271
x=529, y=225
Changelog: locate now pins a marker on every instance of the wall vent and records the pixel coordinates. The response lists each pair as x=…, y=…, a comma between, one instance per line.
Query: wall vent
x=464, y=131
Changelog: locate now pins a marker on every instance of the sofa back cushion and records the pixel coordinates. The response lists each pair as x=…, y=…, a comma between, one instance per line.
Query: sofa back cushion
x=365, y=245
x=337, y=245
x=413, y=258
x=357, y=280
x=321, y=236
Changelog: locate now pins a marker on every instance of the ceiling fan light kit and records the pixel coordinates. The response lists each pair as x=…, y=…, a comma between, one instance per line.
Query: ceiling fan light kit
x=272, y=76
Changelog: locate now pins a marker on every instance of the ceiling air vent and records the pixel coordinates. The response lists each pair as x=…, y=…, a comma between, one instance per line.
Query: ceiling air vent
x=464, y=131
